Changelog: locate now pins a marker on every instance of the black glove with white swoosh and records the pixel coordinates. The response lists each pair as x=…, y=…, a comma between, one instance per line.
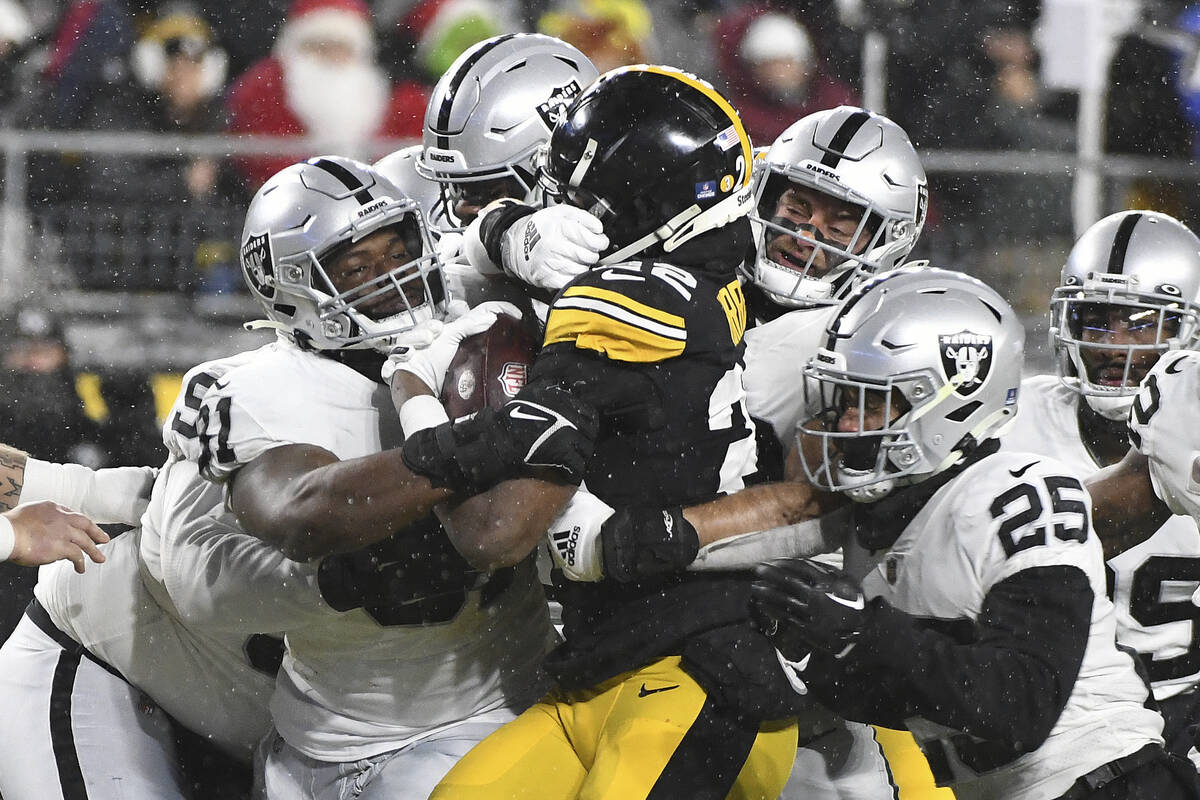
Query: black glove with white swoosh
x=803, y=605
x=545, y=432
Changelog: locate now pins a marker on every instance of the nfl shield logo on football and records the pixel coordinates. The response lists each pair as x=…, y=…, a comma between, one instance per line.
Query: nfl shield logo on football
x=966, y=360
x=512, y=377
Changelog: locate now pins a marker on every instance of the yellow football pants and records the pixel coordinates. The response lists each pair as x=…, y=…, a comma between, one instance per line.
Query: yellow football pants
x=910, y=770
x=650, y=733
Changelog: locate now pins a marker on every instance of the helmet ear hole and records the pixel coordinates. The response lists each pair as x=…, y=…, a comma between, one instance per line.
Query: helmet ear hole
x=963, y=412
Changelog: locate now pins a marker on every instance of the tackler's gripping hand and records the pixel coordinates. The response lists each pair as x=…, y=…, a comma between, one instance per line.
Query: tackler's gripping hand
x=550, y=247
x=431, y=362
x=803, y=605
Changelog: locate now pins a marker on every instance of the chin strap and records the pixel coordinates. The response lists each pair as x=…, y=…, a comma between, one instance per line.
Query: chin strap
x=660, y=234
x=266, y=324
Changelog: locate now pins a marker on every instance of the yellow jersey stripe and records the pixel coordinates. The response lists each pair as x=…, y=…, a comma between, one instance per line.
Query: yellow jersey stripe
x=622, y=315
x=619, y=299
x=723, y=104
x=615, y=339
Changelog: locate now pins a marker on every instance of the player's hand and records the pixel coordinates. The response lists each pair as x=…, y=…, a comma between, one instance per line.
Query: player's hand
x=644, y=542
x=548, y=248
x=804, y=605
x=545, y=432
x=573, y=539
x=450, y=247
x=430, y=363
x=45, y=532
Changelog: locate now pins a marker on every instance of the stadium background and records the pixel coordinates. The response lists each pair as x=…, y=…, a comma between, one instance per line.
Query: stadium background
x=119, y=221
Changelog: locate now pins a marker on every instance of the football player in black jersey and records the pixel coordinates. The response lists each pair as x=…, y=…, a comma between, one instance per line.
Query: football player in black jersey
x=660, y=682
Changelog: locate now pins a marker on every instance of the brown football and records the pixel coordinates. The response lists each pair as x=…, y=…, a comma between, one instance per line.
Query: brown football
x=489, y=368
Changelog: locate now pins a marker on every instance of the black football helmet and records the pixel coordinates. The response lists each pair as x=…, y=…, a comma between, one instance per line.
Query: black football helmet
x=656, y=154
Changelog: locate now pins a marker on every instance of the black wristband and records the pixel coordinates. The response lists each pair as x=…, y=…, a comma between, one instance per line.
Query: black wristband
x=496, y=224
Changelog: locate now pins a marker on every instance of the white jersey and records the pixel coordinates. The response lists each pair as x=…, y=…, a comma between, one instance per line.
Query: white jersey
x=179, y=607
x=1007, y=513
x=1162, y=425
x=1153, y=582
x=354, y=686
x=776, y=353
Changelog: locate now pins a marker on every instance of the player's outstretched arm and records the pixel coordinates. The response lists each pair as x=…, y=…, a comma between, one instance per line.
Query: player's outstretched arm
x=307, y=502
x=1125, y=509
x=117, y=494
x=502, y=526
x=39, y=533
x=591, y=540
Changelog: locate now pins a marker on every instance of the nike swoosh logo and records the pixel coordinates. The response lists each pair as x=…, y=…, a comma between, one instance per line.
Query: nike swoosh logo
x=642, y=692
x=1016, y=473
x=857, y=603
x=517, y=413
x=1171, y=367
x=615, y=275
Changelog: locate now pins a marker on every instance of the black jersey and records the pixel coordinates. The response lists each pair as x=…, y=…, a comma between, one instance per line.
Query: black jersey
x=658, y=349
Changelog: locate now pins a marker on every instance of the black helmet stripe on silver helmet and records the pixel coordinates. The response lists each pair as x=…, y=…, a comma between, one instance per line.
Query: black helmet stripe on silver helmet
x=464, y=69
x=835, y=151
x=361, y=193
x=1120, y=245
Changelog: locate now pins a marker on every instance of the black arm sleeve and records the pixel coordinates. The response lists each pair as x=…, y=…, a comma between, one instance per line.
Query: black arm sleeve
x=1004, y=678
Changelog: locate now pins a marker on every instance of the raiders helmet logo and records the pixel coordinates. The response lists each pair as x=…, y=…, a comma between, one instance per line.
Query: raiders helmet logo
x=257, y=264
x=559, y=99
x=966, y=360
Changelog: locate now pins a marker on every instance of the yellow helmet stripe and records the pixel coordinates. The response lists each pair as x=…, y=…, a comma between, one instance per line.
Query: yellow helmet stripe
x=721, y=102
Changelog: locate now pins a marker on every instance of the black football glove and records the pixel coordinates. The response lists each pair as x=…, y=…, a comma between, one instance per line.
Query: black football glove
x=803, y=605
x=543, y=432
x=644, y=542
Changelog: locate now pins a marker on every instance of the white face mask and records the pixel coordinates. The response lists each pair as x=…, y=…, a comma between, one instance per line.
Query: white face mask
x=341, y=105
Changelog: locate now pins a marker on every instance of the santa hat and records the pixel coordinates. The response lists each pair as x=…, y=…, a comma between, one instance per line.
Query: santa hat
x=776, y=36
x=346, y=21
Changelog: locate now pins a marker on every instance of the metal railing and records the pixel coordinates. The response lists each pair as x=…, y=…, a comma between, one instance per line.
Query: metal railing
x=87, y=255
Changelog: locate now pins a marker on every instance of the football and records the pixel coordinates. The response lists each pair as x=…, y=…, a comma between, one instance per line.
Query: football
x=489, y=368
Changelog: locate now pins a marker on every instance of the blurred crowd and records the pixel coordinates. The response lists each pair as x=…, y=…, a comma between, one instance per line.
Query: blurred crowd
x=350, y=75
x=354, y=77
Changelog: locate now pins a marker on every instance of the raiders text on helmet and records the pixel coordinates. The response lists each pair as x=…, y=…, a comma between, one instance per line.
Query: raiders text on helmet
x=854, y=156
x=656, y=154
x=938, y=349
x=1145, y=264
x=495, y=107
x=300, y=218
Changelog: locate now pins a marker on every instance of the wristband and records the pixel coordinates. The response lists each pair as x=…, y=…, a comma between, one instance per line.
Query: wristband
x=8, y=537
x=421, y=412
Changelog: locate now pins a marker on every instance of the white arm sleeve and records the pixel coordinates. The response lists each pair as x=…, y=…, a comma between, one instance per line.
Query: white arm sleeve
x=808, y=538
x=116, y=495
